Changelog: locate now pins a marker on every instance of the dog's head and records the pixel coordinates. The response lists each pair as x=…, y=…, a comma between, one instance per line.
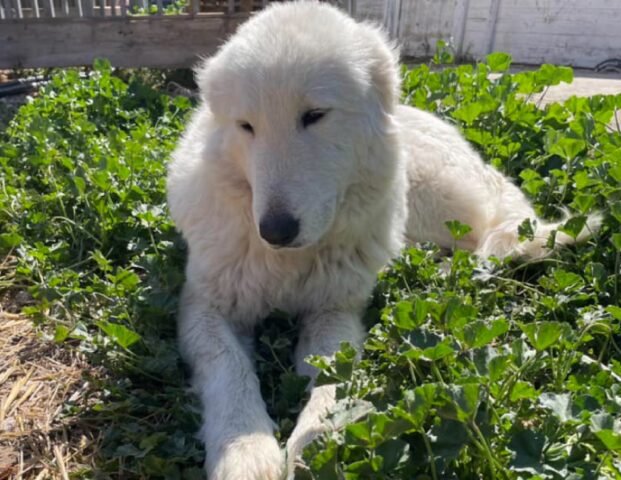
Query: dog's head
x=299, y=93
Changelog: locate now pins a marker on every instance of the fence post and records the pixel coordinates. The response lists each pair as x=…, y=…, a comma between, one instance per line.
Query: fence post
x=7, y=8
x=195, y=6
x=49, y=8
x=392, y=17
x=18, y=9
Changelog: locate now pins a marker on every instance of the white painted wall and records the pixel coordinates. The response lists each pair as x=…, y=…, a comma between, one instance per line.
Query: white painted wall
x=581, y=33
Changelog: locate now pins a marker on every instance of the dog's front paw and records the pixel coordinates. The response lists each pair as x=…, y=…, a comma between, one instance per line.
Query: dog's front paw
x=248, y=457
x=295, y=446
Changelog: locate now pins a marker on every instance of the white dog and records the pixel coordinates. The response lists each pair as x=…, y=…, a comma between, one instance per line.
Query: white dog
x=297, y=180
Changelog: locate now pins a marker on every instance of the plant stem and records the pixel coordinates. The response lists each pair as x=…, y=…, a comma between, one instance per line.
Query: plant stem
x=432, y=461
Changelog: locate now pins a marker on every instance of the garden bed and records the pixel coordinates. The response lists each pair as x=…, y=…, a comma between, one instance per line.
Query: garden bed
x=473, y=368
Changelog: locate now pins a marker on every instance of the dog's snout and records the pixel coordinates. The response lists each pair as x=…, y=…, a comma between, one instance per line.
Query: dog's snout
x=279, y=229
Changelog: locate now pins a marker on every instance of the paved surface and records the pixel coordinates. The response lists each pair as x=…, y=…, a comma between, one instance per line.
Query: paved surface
x=586, y=83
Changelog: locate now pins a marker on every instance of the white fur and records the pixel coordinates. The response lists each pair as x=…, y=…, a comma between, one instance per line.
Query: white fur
x=346, y=178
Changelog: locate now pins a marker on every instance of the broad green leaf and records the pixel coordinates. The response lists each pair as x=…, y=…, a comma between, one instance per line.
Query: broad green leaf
x=574, y=226
x=614, y=311
x=464, y=401
x=499, y=62
x=567, y=280
x=344, y=361
x=119, y=333
x=349, y=411
x=526, y=447
x=611, y=439
x=448, y=439
x=403, y=315
x=553, y=75
x=416, y=404
x=458, y=230
x=527, y=229
x=543, y=335
x=10, y=240
x=61, y=332
x=468, y=113
x=428, y=346
x=559, y=404
x=437, y=352
x=522, y=390
x=568, y=148
x=480, y=333
x=615, y=209
x=394, y=452
x=360, y=431
x=584, y=203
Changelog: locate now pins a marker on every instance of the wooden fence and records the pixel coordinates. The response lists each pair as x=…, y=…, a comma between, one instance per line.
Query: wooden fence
x=130, y=33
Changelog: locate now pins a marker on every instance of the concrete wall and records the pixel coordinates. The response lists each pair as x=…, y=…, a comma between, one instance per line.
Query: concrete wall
x=581, y=33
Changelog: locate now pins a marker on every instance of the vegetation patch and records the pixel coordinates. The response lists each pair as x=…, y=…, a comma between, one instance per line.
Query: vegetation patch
x=472, y=369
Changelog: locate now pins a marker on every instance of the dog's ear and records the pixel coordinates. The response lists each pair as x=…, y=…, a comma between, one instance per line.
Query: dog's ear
x=215, y=84
x=201, y=76
x=384, y=71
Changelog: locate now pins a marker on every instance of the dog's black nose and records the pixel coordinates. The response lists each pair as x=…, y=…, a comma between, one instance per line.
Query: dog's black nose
x=279, y=229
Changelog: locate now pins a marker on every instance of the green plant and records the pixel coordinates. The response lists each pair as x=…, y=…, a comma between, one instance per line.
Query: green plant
x=496, y=369
x=472, y=369
x=82, y=209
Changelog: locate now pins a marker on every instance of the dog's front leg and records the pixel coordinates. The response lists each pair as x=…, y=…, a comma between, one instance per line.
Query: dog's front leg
x=237, y=431
x=322, y=334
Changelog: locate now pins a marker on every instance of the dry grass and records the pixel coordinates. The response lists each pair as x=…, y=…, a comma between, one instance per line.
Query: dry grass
x=39, y=381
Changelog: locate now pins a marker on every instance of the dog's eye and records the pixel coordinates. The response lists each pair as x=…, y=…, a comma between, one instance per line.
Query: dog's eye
x=312, y=116
x=246, y=126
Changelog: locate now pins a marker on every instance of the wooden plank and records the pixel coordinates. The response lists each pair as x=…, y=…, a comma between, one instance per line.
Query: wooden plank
x=89, y=7
x=155, y=42
x=8, y=9
x=195, y=6
x=18, y=8
x=50, y=11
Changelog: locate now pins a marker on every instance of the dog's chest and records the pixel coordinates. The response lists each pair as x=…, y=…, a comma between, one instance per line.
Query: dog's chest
x=246, y=281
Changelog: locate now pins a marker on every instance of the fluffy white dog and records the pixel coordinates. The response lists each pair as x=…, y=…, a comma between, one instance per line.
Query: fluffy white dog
x=297, y=180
